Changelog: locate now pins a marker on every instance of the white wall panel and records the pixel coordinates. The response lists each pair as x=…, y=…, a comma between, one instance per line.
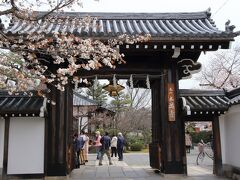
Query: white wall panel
x=223, y=137
x=232, y=134
x=2, y=127
x=26, y=145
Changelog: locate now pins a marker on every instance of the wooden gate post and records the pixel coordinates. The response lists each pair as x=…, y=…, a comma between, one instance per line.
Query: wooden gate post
x=167, y=127
x=217, y=164
x=57, y=132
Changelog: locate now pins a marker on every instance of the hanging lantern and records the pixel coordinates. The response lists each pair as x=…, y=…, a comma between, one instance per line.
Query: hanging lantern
x=76, y=85
x=114, y=81
x=95, y=83
x=113, y=90
x=131, y=81
x=147, y=82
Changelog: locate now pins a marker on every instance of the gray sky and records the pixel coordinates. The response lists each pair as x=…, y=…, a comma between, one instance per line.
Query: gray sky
x=221, y=10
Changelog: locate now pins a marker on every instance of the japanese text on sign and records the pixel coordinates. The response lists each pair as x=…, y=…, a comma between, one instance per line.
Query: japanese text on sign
x=171, y=103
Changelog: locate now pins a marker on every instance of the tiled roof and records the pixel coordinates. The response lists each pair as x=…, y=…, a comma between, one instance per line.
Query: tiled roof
x=194, y=102
x=80, y=100
x=24, y=105
x=19, y=105
x=159, y=25
x=204, y=102
x=234, y=96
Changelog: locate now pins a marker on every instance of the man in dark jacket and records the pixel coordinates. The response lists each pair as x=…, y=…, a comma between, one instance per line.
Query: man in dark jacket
x=76, y=148
x=106, y=144
x=120, y=144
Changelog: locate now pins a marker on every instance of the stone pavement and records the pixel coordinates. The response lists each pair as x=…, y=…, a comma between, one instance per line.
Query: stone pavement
x=205, y=168
x=136, y=167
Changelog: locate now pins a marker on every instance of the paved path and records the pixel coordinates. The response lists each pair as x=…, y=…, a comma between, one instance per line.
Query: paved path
x=136, y=167
x=205, y=168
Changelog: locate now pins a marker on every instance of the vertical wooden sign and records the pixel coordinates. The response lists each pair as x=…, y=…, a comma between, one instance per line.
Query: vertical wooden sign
x=171, y=102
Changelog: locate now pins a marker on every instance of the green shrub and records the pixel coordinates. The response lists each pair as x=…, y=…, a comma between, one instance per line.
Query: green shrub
x=130, y=139
x=112, y=132
x=197, y=136
x=137, y=146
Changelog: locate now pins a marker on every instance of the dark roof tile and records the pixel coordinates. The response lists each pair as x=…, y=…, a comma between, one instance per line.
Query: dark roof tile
x=204, y=101
x=19, y=104
x=191, y=25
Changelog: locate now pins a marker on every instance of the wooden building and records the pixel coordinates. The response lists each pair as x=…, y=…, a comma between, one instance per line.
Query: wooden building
x=89, y=116
x=177, y=40
x=83, y=108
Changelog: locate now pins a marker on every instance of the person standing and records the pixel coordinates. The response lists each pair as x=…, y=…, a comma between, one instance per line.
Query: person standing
x=86, y=148
x=76, y=148
x=114, y=146
x=188, y=142
x=106, y=144
x=120, y=145
x=98, y=144
x=82, y=139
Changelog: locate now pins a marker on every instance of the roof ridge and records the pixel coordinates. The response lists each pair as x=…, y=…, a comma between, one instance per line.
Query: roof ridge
x=84, y=97
x=197, y=92
x=135, y=15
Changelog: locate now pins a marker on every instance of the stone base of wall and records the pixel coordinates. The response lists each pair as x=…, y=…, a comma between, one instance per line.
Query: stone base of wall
x=23, y=176
x=231, y=172
x=56, y=177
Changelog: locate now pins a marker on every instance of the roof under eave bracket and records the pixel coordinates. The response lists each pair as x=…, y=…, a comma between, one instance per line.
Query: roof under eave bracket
x=22, y=105
x=204, y=102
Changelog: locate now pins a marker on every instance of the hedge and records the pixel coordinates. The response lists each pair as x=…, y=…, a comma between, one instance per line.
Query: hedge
x=204, y=135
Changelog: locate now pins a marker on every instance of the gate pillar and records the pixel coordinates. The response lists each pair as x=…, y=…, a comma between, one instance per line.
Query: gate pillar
x=167, y=127
x=58, y=130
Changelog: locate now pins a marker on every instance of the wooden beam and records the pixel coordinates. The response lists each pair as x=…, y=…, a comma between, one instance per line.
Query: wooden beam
x=69, y=128
x=199, y=117
x=217, y=167
x=57, y=133
x=51, y=133
x=156, y=153
x=169, y=133
x=174, y=130
x=5, y=149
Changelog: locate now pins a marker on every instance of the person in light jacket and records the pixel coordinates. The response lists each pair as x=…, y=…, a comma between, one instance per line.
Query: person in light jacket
x=82, y=139
x=86, y=148
x=114, y=146
x=98, y=144
x=188, y=142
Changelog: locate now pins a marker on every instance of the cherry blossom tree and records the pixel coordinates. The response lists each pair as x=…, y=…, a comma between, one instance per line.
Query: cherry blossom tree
x=222, y=71
x=68, y=53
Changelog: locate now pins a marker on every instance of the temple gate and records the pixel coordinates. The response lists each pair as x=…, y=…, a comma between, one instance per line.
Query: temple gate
x=177, y=40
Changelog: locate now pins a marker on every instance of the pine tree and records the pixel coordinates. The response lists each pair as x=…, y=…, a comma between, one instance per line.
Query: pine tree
x=97, y=93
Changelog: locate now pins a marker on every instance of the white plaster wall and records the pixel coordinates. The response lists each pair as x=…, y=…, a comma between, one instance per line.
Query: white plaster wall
x=82, y=121
x=85, y=121
x=232, y=135
x=222, y=136
x=2, y=127
x=26, y=145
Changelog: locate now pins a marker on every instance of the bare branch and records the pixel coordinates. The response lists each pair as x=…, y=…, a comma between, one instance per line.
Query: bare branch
x=223, y=70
